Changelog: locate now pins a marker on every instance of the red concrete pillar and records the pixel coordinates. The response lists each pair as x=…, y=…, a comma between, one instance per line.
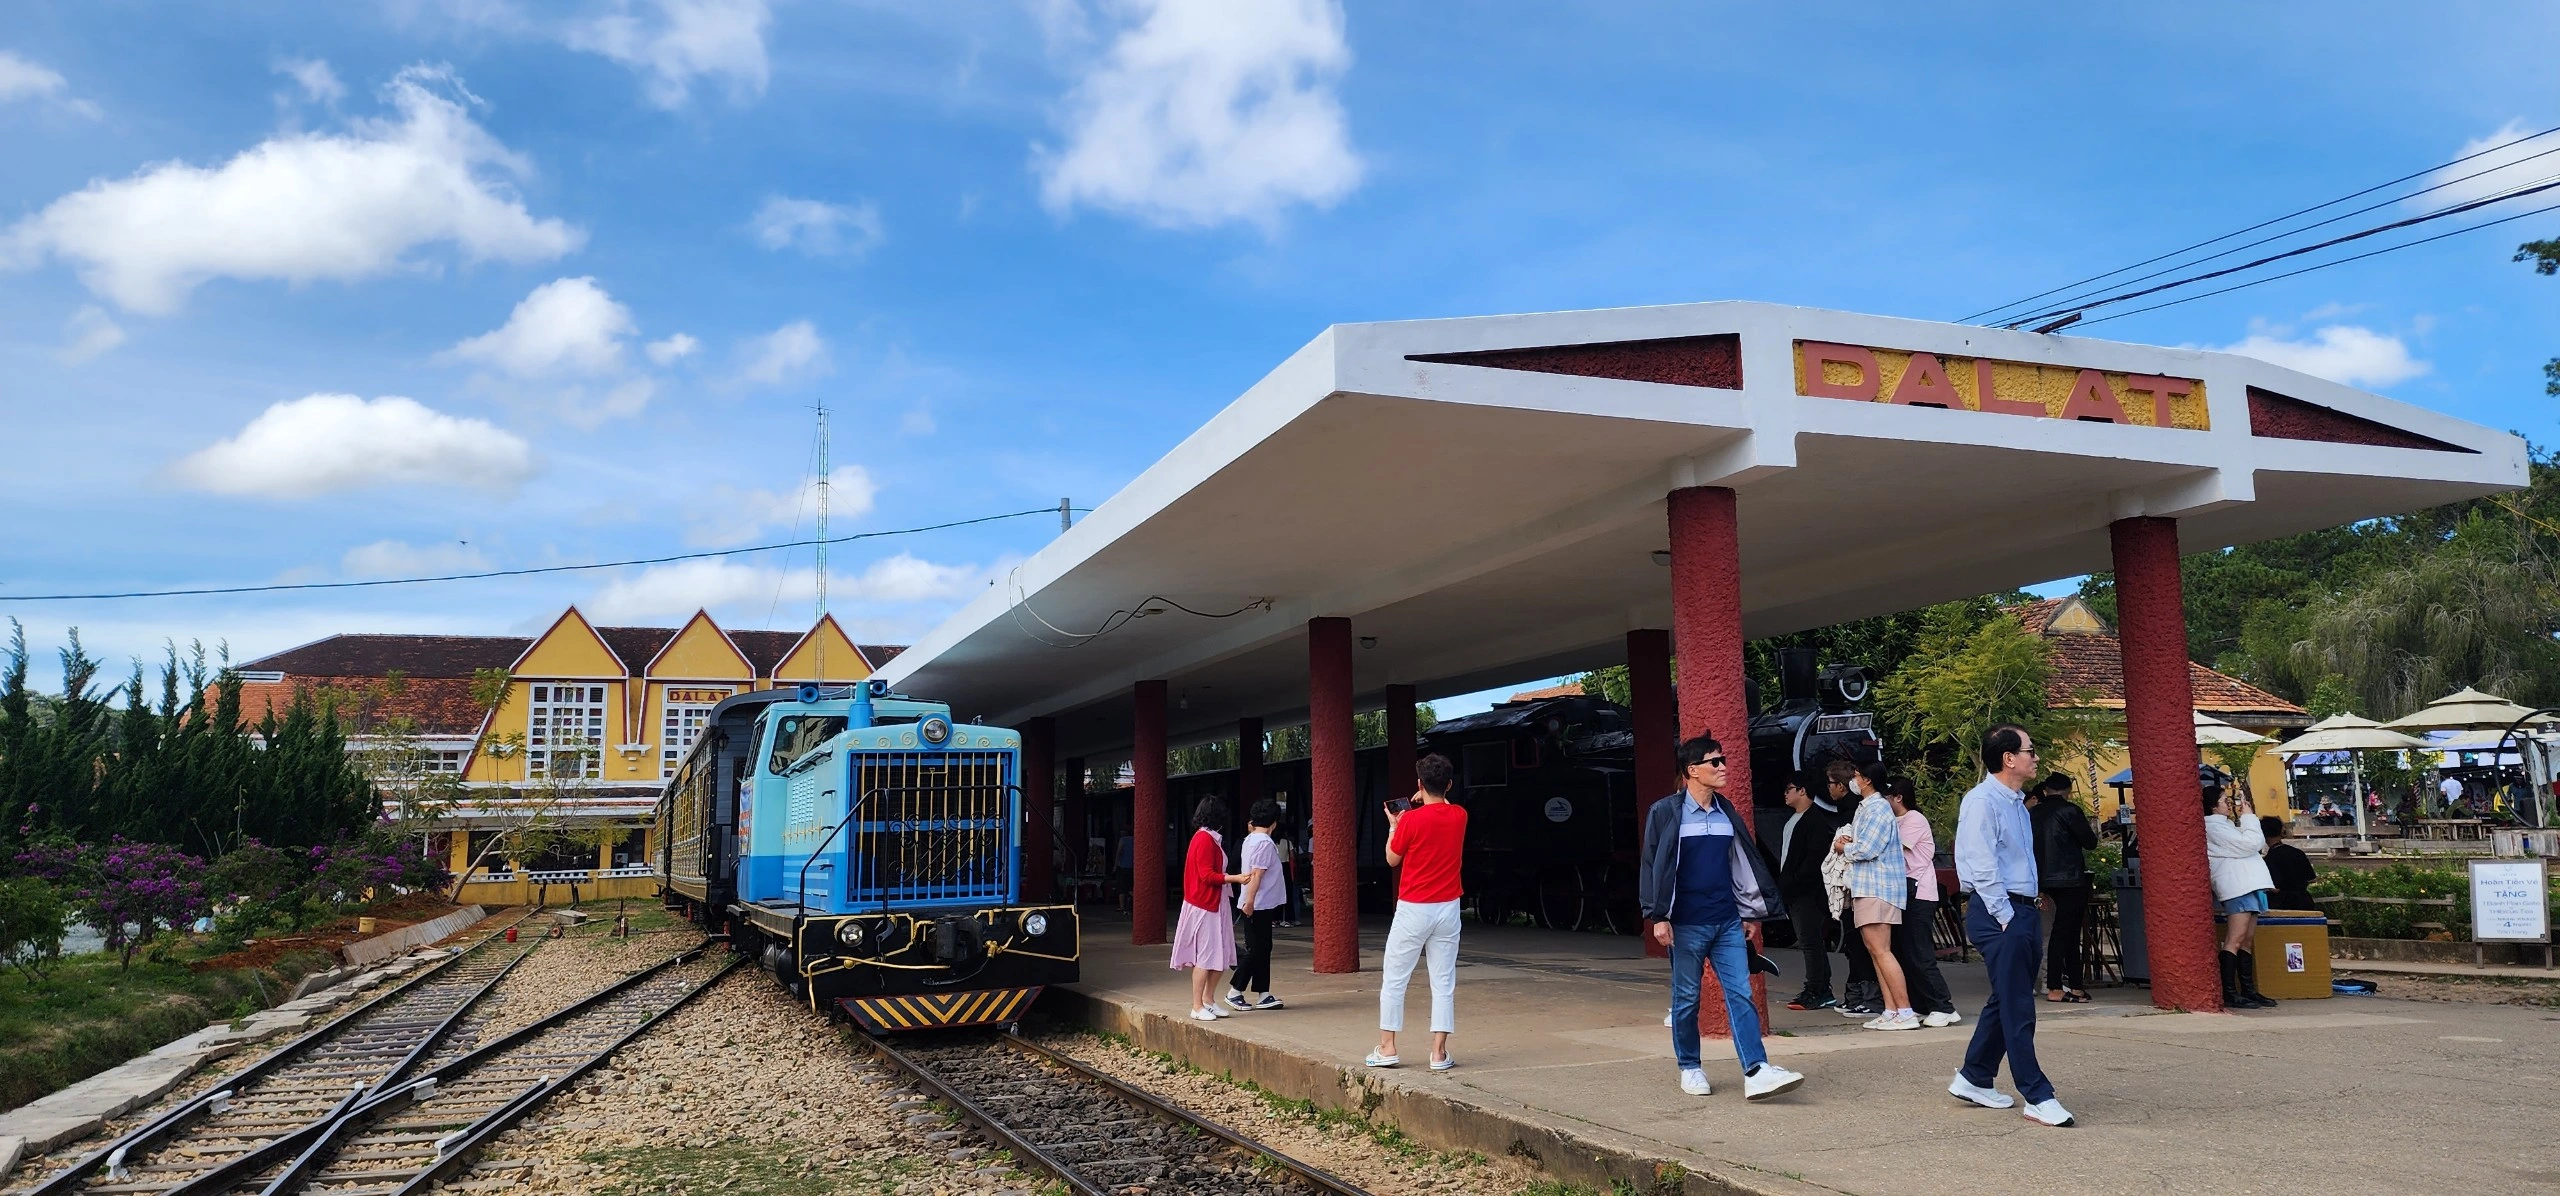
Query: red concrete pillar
x=1078, y=830
x=1039, y=799
x=1402, y=749
x=1657, y=731
x=1336, y=791
x=1706, y=630
x=1147, y=818
x=2159, y=700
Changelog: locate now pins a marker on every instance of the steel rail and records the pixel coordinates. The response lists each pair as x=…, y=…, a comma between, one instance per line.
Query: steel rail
x=1322, y=1181
x=987, y=1123
x=217, y=1099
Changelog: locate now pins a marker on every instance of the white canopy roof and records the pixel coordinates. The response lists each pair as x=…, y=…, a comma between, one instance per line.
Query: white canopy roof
x=1493, y=519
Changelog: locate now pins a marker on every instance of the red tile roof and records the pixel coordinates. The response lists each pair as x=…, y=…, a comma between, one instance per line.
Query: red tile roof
x=433, y=705
x=340, y=658
x=1570, y=689
x=2088, y=670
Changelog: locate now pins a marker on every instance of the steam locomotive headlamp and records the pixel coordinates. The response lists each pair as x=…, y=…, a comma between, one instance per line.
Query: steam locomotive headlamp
x=850, y=934
x=1847, y=684
x=1035, y=925
x=935, y=729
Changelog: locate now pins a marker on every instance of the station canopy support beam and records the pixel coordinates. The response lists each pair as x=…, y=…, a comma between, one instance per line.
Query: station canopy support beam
x=1706, y=628
x=2159, y=701
x=1147, y=821
x=1330, y=775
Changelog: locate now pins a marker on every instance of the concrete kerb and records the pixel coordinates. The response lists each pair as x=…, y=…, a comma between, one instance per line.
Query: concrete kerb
x=1439, y=1121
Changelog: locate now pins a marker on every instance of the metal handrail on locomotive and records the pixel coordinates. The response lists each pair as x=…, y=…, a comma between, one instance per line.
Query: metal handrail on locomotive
x=866, y=848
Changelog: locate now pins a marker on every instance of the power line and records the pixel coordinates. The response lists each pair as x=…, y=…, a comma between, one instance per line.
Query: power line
x=2438, y=214
x=2276, y=220
x=2325, y=265
x=529, y=572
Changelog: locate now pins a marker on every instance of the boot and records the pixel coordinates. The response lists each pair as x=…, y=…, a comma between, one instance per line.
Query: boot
x=2249, y=982
x=2231, y=982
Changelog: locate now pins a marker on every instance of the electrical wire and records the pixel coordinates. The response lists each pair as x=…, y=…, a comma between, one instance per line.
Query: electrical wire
x=2265, y=223
x=2438, y=214
x=2062, y=305
x=526, y=572
x=2323, y=265
x=1018, y=604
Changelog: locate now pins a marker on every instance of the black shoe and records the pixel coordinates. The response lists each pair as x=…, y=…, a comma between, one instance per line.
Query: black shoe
x=1812, y=1000
x=2231, y=998
x=2249, y=982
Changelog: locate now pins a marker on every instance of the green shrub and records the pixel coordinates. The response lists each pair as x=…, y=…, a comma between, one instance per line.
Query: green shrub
x=33, y=919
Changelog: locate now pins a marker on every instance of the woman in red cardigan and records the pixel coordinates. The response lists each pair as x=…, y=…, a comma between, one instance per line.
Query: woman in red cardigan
x=1205, y=940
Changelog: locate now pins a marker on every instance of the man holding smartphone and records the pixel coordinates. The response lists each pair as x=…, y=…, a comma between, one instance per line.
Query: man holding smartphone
x=1426, y=838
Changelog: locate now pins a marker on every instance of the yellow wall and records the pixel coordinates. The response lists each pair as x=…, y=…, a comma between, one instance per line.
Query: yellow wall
x=2266, y=782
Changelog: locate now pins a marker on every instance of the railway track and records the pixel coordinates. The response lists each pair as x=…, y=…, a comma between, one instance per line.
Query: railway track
x=251, y=1120
x=1094, y=1133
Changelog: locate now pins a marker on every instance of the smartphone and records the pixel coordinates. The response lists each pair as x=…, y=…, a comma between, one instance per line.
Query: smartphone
x=1398, y=805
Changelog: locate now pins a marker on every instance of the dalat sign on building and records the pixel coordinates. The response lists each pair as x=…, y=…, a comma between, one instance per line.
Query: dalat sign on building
x=1825, y=370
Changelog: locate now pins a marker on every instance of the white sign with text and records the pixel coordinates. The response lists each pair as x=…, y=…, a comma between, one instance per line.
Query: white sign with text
x=2510, y=901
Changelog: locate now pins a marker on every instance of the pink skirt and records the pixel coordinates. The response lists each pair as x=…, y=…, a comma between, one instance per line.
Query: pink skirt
x=1205, y=938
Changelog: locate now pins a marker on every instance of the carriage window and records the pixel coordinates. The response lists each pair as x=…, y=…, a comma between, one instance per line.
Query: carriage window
x=800, y=734
x=1488, y=765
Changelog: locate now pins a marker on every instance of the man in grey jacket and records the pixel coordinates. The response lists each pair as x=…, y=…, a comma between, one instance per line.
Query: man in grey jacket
x=1703, y=877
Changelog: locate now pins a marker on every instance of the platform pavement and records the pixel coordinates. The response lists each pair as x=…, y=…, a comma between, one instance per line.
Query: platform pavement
x=1564, y=1032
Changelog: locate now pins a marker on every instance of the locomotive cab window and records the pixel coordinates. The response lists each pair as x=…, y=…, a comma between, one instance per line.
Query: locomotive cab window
x=1487, y=765
x=798, y=735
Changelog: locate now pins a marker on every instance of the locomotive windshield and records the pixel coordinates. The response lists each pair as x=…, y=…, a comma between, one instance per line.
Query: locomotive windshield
x=798, y=735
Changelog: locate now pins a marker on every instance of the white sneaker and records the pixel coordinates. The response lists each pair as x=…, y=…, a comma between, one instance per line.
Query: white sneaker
x=1769, y=1081
x=1377, y=1060
x=1989, y=1098
x=1237, y=1001
x=1946, y=1018
x=2048, y=1112
x=1666, y=1021
x=1204, y=1015
x=1895, y=1021
x=1216, y=1012
x=1694, y=1082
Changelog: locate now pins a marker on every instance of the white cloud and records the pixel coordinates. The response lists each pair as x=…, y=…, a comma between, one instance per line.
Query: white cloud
x=673, y=349
x=2498, y=170
x=918, y=422
x=397, y=558
x=301, y=207
x=25, y=79
x=1204, y=112
x=568, y=326
x=732, y=516
x=792, y=353
x=324, y=443
x=92, y=334
x=2347, y=354
x=674, y=591
x=812, y=226
x=319, y=84
x=674, y=42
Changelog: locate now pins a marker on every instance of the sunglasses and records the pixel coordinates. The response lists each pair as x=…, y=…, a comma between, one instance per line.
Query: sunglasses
x=1713, y=761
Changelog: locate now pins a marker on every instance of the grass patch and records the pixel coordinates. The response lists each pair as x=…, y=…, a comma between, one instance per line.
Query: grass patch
x=744, y=1168
x=90, y=1015
x=1557, y=1187
x=647, y=917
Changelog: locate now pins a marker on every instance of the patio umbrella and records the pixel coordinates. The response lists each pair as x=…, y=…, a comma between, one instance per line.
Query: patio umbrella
x=2350, y=734
x=2211, y=731
x=2465, y=710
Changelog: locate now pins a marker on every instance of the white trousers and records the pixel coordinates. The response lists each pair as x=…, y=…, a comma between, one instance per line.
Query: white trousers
x=1427, y=931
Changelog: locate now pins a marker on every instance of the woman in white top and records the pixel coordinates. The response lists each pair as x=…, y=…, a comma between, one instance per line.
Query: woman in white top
x=2236, y=849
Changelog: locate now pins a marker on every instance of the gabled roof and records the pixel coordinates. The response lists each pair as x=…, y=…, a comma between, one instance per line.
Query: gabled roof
x=367, y=655
x=637, y=646
x=764, y=649
x=2088, y=667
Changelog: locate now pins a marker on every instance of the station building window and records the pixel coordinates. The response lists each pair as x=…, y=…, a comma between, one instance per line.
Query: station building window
x=567, y=725
x=676, y=735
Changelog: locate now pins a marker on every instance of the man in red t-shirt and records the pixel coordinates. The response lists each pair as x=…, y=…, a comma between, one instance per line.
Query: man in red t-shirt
x=1426, y=836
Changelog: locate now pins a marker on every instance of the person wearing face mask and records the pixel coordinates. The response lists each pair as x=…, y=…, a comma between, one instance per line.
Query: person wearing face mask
x=1872, y=844
x=1861, y=997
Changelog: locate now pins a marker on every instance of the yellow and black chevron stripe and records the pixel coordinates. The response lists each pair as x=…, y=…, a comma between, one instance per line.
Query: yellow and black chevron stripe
x=940, y=1011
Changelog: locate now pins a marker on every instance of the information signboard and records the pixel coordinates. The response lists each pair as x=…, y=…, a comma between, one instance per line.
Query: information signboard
x=2510, y=901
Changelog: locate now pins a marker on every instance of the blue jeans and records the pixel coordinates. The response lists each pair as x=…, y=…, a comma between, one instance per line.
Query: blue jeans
x=1722, y=947
x=2008, y=1023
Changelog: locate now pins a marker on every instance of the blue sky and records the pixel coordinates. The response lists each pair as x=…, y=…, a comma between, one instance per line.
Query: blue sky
x=304, y=292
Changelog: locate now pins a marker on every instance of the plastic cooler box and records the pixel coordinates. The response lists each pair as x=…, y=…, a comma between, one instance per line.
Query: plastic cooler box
x=2293, y=954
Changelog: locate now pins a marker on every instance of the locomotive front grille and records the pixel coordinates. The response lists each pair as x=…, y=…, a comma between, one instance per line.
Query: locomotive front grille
x=931, y=826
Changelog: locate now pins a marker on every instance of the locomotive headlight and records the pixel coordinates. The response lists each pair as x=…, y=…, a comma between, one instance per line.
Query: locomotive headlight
x=935, y=729
x=1035, y=925
x=850, y=934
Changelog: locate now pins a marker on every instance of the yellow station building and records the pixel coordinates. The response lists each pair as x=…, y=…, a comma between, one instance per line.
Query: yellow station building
x=576, y=726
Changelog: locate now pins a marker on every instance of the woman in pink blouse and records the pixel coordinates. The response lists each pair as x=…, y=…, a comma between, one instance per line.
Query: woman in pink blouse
x=1913, y=941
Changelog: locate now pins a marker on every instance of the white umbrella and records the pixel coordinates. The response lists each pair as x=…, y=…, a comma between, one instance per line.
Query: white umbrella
x=2465, y=710
x=2211, y=731
x=2349, y=734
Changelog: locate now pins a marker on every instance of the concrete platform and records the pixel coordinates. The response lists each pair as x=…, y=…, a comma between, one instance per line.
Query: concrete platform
x=1562, y=1055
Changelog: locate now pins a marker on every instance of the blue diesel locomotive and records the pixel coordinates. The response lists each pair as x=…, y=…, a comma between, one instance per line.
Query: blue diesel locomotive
x=865, y=848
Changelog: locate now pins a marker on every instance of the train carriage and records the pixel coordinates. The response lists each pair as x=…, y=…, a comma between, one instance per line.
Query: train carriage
x=865, y=848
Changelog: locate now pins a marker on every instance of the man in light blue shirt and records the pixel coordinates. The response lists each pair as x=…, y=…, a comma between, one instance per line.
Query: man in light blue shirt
x=1996, y=863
